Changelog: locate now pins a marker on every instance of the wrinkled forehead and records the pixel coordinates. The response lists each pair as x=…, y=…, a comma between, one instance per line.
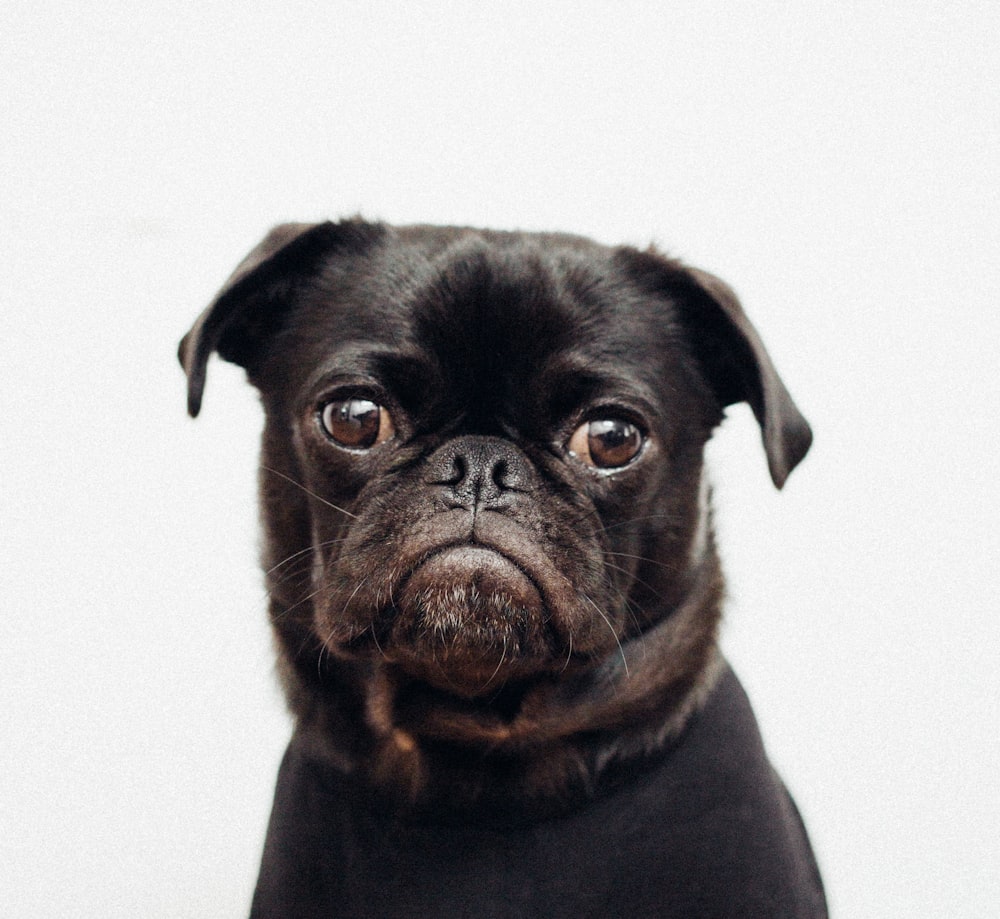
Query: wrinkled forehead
x=488, y=320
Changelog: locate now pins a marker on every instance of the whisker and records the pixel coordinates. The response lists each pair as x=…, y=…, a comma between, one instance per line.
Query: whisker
x=308, y=492
x=299, y=603
x=607, y=621
x=378, y=644
x=321, y=545
x=625, y=571
x=285, y=561
x=642, y=558
x=354, y=593
x=503, y=657
x=301, y=571
x=630, y=607
x=569, y=653
x=325, y=646
x=630, y=521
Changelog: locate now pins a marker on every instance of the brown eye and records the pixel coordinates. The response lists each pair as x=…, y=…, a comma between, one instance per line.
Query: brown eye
x=607, y=444
x=356, y=423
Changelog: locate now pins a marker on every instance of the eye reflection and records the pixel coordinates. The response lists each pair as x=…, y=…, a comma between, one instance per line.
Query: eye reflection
x=357, y=424
x=606, y=443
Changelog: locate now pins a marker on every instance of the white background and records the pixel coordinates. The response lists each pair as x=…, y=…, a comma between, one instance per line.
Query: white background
x=837, y=162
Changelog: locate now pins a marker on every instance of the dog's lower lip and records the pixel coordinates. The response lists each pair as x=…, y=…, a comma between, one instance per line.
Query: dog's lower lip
x=466, y=620
x=485, y=569
x=470, y=574
x=470, y=555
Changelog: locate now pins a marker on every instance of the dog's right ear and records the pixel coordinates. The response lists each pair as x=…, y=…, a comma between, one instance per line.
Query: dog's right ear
x=735, y=362
x=249, y=306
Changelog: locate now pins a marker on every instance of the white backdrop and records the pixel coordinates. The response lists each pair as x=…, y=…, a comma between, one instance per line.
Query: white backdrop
x=837, y=163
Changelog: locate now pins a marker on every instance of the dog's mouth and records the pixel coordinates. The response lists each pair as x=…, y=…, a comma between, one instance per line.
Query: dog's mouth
x=471, y=622
x=467, y=620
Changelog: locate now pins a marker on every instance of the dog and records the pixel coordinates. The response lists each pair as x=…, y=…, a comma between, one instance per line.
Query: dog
x=494, y=587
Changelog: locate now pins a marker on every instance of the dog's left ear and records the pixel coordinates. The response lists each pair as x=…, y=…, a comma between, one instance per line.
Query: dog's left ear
x=731, y=353
x=246, y=311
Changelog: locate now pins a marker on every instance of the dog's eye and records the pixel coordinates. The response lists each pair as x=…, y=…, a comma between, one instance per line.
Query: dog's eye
x=356, y=423
x=606, y=443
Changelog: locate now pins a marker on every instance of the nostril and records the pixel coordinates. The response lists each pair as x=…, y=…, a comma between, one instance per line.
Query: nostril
x=451, y=474
x=500, y=471
x=479, y=471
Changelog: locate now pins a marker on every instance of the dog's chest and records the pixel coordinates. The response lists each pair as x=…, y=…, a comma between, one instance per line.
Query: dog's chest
x=702, y=833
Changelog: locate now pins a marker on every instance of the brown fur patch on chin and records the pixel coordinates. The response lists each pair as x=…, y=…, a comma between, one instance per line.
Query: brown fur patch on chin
x=470, y=596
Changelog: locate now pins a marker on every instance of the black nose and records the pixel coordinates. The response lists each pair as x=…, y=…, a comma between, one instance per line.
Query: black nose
x=480, y=472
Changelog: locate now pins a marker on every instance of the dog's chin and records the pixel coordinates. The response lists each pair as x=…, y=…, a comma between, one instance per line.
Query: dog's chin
x=468, y=621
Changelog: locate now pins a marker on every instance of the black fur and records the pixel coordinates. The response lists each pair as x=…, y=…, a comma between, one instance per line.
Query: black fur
x=476, y=623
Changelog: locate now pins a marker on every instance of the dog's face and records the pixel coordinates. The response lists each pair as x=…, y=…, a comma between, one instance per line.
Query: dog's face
x=482, y=461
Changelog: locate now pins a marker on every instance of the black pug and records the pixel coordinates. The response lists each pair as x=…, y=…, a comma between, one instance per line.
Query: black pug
x=494, y=586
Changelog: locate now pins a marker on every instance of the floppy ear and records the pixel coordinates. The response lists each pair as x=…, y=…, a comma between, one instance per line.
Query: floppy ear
x=732, y=355
x=251, y=302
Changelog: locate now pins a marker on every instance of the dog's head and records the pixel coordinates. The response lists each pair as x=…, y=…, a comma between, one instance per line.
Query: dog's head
x=482, y=469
